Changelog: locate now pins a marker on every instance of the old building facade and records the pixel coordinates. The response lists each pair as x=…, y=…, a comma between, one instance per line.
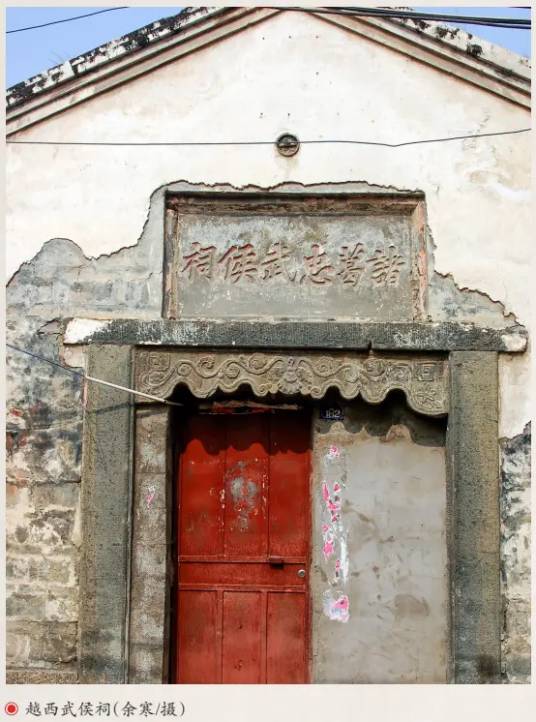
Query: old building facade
x=324, y=475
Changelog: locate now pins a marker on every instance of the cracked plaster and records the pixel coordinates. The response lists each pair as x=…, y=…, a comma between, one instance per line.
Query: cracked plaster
x=84, y=195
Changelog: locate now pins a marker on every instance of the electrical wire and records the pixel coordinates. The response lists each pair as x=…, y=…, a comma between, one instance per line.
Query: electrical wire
x=66, y=20
x=86, y=377
x=263, y=142
x=411, y=13
x=47, y=360
x=509, y=23
x=524, y=23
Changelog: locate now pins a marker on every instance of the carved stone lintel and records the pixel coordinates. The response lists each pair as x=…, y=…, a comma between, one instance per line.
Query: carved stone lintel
x=423, y=379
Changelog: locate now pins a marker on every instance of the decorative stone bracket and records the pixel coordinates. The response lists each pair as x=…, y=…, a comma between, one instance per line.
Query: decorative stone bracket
x=424, y=380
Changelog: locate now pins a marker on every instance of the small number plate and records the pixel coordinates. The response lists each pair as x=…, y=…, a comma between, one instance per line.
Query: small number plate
x=332, y=413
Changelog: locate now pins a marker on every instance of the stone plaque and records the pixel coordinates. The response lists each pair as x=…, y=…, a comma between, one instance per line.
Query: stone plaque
x=297, y=260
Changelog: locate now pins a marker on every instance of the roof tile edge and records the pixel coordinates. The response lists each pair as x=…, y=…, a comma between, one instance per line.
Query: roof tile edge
x=506, y=62
x=131, y=42
x=455, y=37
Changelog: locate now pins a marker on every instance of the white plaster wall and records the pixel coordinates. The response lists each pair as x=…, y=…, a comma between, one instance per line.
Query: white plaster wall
x=392, y=501
x=299, y=74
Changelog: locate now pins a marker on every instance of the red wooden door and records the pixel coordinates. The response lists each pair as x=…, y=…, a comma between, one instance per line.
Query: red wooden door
x=243, y=558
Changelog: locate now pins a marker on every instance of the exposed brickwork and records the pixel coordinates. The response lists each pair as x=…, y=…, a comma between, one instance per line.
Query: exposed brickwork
x=44, y=447
x=44, y=455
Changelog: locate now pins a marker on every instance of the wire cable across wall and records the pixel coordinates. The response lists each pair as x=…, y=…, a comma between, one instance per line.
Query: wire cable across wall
x=320, y=141
x=92, y=379
x=509, y=23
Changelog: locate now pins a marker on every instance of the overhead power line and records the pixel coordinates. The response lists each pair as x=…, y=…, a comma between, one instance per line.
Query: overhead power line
x=340, y=141
x=510, y=23
x=86, y=377
x=65, y=20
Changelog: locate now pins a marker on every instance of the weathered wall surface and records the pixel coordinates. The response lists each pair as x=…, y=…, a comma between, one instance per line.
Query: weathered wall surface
x=44, y=446
x=515, y=552
x=98, y=198
x=149, y=649
x=379, y=585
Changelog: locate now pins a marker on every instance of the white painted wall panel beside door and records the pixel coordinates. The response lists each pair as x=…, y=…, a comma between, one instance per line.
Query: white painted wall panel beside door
x=380, y=570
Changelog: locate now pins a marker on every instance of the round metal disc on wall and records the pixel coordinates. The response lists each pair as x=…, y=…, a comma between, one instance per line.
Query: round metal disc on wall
x=287, y=145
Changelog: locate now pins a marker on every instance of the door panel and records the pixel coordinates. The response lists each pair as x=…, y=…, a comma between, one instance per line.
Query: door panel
x=246, y=484
x=242, y=622
x=201, y=489
x=231, y=574
x=243, y=558
x=289, y=487
x=198, y=637
x=286, y=635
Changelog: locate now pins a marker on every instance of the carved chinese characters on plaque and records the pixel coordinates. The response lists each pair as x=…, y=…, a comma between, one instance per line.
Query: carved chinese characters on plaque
x=293, y=265
x=244, y=263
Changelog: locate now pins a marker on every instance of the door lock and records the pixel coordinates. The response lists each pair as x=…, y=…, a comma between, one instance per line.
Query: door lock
x=301, y=573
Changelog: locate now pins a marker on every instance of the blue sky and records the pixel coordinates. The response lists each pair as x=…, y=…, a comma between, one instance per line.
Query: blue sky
x=30, y=52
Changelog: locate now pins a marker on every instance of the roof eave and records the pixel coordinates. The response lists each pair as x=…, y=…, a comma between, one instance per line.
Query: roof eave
x=190, y=31
x=449, y=55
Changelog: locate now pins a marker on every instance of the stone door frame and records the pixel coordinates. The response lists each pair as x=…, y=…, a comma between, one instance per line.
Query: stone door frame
x=127, y=473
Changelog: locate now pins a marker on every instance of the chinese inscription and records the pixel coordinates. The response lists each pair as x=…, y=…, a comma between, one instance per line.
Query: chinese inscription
x=352, y=266
x=105, y=709
x=241, y=263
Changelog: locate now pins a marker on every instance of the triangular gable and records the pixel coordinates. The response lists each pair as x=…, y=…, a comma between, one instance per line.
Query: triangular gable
x=449, y=50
